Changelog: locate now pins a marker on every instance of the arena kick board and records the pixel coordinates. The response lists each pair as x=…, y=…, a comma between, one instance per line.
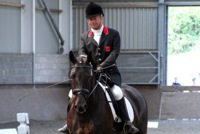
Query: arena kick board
x=8, y=131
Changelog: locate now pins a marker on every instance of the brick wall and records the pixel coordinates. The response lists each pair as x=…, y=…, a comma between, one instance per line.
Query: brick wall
x=51, y=68
x=18, y=68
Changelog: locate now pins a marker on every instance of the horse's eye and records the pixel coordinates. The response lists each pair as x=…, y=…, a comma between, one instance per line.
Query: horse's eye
x=73, y=76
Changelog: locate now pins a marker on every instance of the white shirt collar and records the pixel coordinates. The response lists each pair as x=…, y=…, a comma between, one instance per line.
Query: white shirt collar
x=97, y=32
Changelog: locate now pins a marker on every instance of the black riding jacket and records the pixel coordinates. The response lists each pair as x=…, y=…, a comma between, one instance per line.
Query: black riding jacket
x=104, y=54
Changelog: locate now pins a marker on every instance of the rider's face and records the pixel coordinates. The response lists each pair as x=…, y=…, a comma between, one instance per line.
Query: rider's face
x=95, y=22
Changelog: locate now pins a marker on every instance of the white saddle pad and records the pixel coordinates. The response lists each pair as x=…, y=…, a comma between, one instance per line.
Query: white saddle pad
x=128, y=105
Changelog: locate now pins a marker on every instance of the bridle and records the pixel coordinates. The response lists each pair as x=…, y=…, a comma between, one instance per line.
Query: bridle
x=85, y=92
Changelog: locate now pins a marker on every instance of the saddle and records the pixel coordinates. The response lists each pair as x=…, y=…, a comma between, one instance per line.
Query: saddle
x=114, y=106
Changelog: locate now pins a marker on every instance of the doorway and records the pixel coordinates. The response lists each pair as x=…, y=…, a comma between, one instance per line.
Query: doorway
x=183, y=66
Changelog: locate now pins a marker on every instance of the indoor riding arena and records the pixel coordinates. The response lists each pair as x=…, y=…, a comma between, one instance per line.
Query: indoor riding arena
x=37, y=35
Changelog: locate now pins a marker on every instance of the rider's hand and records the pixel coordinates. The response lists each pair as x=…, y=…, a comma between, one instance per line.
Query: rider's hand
x=99, y=69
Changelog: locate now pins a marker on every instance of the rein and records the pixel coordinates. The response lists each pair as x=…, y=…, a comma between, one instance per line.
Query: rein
x=81, y=66
x=85, y=66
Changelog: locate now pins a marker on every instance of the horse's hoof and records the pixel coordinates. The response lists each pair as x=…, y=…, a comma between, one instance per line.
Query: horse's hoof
x=129, y=128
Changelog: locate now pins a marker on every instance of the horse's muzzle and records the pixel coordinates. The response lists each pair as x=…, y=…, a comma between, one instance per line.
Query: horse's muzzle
x=81, y=108
x=81, y=104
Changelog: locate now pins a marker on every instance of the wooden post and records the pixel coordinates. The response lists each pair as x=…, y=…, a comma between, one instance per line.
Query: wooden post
x=52, y=10
x=11, y=4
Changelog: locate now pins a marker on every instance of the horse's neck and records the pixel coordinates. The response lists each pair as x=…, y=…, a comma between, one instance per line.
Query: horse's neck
x=97, y=95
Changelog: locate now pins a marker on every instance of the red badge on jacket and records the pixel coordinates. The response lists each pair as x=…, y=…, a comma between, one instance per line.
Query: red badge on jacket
x=108, y=49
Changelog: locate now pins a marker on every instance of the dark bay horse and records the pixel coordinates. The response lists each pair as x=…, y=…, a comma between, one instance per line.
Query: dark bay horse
x=89, y=111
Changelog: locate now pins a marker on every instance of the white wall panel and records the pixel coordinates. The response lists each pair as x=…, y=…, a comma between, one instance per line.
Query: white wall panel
x=10, y=27
x=46, y=39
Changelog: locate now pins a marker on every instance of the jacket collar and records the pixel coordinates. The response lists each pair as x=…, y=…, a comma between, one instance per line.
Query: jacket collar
x=105, y=31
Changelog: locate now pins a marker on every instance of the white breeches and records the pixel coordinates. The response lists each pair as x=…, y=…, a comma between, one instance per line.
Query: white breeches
x=70, y=95
x=117, y=92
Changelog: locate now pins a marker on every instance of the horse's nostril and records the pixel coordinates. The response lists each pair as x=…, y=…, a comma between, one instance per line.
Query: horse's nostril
x=81, y=108
x=85, y=106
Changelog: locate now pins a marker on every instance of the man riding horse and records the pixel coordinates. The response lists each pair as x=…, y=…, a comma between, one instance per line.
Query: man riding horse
x=104, y=45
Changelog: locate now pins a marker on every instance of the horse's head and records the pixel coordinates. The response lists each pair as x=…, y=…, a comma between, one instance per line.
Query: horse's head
x=82, y=81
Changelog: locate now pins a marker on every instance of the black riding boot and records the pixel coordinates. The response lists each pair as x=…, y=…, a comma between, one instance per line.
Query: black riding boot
x=64, y=129
x=129, y=128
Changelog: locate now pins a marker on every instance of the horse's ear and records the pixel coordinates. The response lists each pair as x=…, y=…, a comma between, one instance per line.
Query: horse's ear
x=72, y=57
